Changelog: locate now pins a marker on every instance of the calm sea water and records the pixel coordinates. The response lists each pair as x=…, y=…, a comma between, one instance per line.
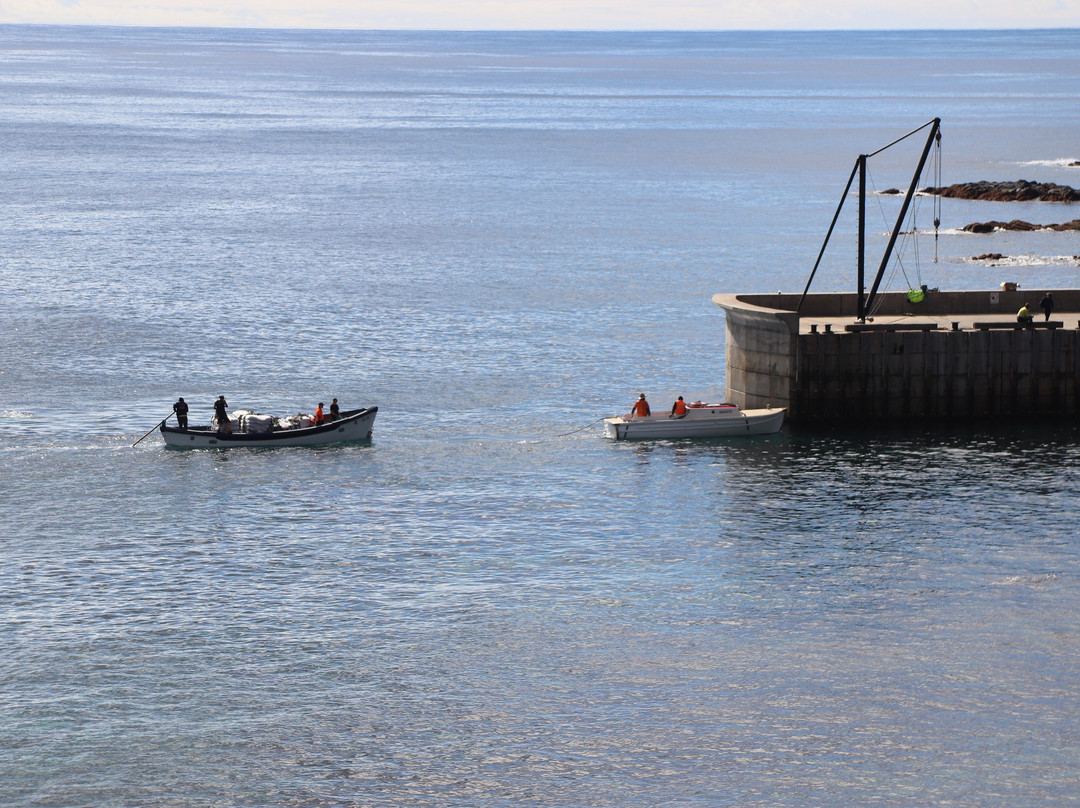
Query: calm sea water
x=498, y=239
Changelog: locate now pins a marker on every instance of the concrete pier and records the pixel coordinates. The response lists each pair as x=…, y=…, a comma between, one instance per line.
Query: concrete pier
x=953, y=355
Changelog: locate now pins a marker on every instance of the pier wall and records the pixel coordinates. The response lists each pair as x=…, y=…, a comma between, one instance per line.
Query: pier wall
x=902, y=375
x=949, y=371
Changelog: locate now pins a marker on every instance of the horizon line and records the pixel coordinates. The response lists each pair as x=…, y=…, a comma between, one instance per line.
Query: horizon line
x=492, y=30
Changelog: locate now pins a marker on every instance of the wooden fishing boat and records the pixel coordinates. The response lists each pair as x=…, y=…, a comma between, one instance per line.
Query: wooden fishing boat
x=352, y=425
x=700, y=421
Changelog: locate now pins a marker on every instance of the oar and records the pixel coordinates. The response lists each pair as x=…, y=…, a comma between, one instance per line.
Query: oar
x=155, y=426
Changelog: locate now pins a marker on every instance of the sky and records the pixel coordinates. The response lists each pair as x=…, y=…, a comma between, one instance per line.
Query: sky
x=553, y=14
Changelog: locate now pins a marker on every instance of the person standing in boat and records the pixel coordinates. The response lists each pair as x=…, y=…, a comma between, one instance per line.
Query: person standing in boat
x=335, y=410
x=678, y=409
x=181, y=410
x=221, y=413
x=640, y=408
x=1047, y=304
x=319, y=417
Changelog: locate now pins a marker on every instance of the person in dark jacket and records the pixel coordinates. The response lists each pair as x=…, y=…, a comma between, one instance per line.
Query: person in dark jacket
x=181, y=410
x=221, y=413
x=1047, y=304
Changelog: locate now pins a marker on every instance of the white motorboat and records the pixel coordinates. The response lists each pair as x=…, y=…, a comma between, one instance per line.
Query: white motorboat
x=352, y=425
x=700, y=421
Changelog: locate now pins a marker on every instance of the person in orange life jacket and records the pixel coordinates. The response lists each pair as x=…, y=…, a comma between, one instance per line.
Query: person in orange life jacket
x=335, y=410
x=319, y=417
x=678, y=409
x=640, y=408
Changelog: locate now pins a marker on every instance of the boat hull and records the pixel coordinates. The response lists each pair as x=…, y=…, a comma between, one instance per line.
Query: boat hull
x=699, y=422
x=353, y=425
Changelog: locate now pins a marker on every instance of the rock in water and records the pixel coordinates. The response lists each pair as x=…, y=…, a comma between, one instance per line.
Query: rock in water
x=1019, y=191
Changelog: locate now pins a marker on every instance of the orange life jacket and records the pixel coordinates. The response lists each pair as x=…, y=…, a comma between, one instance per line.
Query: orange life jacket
x=680, y=407
x=641, y=407
x=318, y=416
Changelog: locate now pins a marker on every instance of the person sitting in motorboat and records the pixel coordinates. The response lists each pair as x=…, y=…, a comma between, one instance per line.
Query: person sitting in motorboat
x=335, y=410
x=319, y=417
x=678, y=409
x=640, y=408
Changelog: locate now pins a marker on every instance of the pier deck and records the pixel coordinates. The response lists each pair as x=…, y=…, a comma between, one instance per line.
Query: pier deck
x=924, y=322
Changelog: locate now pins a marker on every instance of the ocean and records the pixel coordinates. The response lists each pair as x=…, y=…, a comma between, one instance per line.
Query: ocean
x=498, y=239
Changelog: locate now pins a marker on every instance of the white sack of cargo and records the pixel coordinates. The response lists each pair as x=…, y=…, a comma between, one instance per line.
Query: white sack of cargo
x=259, y=423
x=238, y=420
x=298, y=421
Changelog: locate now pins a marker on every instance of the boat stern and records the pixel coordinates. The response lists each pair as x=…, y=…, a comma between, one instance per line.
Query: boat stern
x=615, y=428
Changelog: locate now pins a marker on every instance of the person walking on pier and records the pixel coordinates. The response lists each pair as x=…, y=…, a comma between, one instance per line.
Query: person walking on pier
x=1024, y=315
x=1047, y=304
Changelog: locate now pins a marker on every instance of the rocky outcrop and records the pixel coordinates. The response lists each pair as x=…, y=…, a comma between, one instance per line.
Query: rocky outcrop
x=1018, y=224
x=1019, y=191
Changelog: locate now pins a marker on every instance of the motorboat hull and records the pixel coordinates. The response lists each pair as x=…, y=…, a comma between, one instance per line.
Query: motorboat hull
x=699, y=422
x=353, y=425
